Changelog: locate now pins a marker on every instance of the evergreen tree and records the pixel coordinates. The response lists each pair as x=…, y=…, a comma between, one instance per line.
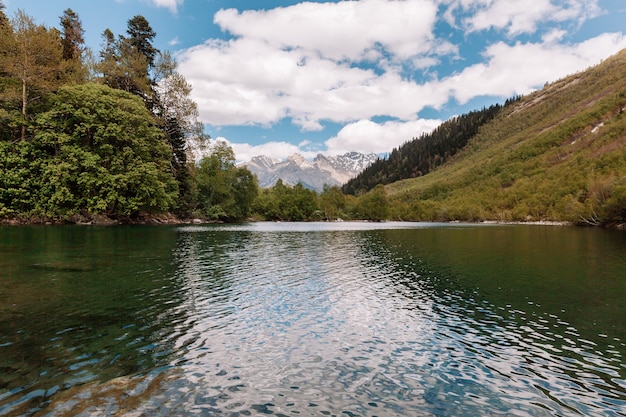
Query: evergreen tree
x=178, y=115
x=126, y=61
x=72, y=41
x=4, y=20
x=72, y=35
x=141, y=36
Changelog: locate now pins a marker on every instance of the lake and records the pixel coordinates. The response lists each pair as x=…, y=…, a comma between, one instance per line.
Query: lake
x=350, y=319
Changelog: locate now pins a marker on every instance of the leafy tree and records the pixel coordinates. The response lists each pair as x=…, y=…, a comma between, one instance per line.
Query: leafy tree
x=246, y=188
x=374, y=205
x=283, y=202
x=332, y=201
x=104, y=155
x=19, y=165
x=31, y=54
x=225, y=191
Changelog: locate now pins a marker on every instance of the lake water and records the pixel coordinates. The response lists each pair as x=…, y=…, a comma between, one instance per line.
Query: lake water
x=344, y=319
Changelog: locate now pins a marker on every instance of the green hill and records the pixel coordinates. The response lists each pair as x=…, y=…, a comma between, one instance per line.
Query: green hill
x=558, y=154
x=421, y=155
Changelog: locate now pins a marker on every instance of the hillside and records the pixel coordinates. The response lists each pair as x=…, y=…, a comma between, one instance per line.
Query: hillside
x=421, y=155
x=558, y=154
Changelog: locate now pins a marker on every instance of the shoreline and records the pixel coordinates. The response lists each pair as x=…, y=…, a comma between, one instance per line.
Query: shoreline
x=172, y=219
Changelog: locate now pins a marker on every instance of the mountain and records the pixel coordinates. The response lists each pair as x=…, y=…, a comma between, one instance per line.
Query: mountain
x=331, y=170
x=558, y=154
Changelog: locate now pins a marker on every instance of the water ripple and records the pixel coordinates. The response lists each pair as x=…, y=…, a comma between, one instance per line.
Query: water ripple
x=305, y=322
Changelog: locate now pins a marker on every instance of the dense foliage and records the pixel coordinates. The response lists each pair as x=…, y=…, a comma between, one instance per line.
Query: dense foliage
x=108, y=136
x=421, y=155
x=225, y=191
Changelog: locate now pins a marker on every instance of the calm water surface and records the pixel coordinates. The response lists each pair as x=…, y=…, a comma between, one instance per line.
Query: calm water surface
x=349, y=319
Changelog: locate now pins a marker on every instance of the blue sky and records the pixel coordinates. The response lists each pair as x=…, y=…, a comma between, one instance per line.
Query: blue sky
x=278, y=77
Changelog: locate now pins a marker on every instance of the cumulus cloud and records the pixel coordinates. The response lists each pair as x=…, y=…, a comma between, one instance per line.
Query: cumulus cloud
x=344, y=30
x=246, y=81
x=366, y=136
x=314, y=62
x=521, y=68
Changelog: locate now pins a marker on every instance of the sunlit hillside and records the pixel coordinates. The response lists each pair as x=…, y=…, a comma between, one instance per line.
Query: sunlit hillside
x=558, y=154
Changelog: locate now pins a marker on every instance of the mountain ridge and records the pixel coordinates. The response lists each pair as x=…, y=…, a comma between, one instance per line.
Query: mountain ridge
x=314, y=174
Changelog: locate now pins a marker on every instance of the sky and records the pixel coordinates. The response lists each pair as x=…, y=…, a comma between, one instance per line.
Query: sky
x=278, y=77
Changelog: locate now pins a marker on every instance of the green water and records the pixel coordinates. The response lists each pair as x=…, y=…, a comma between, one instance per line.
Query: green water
x=313, y=319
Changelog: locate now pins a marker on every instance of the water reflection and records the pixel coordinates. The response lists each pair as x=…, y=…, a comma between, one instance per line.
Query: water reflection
x=326, y=319
x=77, y=306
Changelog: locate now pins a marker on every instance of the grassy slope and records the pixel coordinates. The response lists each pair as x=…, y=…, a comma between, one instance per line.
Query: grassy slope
x=558, y=154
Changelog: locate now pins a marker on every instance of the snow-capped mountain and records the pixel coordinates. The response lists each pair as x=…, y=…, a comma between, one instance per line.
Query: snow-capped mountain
x=331, y=170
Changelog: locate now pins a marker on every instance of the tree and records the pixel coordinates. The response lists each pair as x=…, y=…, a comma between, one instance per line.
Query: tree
x=225, y=191
x=72, y=42
x=283, y=202
x=4, y=20
x=105, y=155
x=126, y=62
x=246, y=189
x=331, y=201
x=123, y=67
x=72, y=35
x=373, y=205
x=178, y=115
x=141, y=36
x=31, y=54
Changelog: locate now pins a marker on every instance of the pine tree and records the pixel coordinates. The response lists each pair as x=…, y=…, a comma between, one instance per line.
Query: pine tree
x=72, y=35
x=141, y=37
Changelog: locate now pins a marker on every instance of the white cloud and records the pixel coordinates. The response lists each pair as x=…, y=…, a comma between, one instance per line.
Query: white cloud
x=519, y=16
x=521, y=68
x=316, y=61
x=366, y=136
x=169, y=4
x=344, y=30
x=174, y=42
x=246, y=81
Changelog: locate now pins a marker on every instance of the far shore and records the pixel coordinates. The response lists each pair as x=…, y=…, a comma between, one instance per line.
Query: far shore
x=171, y=219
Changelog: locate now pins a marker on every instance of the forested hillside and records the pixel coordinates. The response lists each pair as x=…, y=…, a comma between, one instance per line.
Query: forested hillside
x=557, y=154
x=421, y=155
